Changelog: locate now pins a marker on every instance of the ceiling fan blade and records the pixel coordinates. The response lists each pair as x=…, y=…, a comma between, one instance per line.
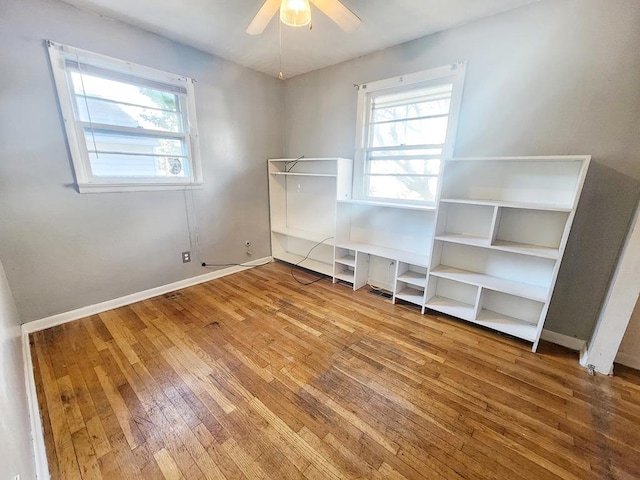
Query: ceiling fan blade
x=336, y=11
x=263, y=17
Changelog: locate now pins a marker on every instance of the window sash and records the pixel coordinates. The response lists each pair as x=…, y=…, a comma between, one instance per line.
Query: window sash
x=435, y=85
x=65, y=59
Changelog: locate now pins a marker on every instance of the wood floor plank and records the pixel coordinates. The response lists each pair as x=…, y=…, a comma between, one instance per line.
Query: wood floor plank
x=254, y=376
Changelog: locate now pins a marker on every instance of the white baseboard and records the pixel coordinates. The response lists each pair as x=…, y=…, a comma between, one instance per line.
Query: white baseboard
x=628, y=360
x=37, y=432
x=59, y=319
x=571, y=343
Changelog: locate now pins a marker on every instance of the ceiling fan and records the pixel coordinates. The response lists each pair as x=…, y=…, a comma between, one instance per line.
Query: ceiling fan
x=334, y=9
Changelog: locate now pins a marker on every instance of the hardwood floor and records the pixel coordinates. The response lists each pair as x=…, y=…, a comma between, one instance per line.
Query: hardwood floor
x=255, y=376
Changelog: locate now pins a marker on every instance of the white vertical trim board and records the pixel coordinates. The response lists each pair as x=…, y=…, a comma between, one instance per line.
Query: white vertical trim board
x=83, y=312
x=618, y=306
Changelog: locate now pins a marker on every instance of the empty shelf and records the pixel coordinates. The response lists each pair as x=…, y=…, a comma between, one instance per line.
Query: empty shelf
x=411, y=295
x=391, y=253
x=414, y=278
x=506, y=324
x=348, y=260
x=451, y=307
x=507, y=204
x=309, y=263
x=502, y=245
x=345, y=276
x=302, y=174
x=464, y=239
x=532, y=292
x=304, y=235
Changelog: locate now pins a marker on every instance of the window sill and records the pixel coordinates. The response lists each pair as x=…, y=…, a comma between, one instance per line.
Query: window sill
x=135, y=187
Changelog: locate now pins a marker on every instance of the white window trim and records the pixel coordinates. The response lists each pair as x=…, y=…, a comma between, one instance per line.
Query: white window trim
x=87, y=183
x=455, y=72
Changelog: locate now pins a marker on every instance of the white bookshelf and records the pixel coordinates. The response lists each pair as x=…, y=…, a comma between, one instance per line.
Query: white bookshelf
x=302, y=204
x=501, y=230
x=488, y=252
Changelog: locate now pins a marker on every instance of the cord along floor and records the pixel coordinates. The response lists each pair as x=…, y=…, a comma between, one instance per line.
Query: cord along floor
x=254, y=376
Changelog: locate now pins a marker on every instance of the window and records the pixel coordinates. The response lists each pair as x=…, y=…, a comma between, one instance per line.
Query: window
x=406, y=127
x=128, y=127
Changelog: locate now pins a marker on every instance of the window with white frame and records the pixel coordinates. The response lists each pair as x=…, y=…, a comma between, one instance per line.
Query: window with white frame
x=406, y=126
x=128, y=127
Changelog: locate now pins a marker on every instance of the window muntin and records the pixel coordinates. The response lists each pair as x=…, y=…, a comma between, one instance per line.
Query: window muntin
x=407, y=130
x=130, y=125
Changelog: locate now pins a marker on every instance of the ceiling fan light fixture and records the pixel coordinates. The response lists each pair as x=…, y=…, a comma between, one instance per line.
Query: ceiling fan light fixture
x=295, y=13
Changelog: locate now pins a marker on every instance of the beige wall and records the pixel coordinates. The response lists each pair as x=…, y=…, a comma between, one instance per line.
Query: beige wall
x=554, y=77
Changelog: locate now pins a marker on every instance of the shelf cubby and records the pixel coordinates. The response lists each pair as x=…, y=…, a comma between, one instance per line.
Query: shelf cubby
x=409, y=293
x=452, y=298
x=510, y=314
x=414, y=275
x=345, y=256
x=465, y=221
x=544, y=182
x=530, y=232
x=345, y=273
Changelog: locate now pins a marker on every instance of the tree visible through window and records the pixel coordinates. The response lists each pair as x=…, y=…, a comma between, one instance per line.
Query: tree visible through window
x=407, y=132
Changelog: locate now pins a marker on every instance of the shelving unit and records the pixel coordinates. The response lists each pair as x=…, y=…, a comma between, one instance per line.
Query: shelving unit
x=501, y=230
x=298, y=187
x=488, y=252
x=375, y=231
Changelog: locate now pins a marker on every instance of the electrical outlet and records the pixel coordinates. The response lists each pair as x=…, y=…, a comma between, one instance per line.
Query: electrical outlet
x=186, y=257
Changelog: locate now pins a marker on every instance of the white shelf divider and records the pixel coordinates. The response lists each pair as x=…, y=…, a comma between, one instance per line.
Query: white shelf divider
x=304, y=235
x=508, y=204
x=349, y=260
x=504, y=246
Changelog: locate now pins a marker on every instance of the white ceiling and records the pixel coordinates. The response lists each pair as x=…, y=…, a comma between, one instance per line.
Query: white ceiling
x=218, y=27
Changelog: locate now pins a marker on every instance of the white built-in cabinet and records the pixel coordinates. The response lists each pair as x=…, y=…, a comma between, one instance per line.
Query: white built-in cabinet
x=302, y=204
x=488, y=252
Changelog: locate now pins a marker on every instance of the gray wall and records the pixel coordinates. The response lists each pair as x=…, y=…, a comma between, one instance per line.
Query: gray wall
x=555, y=77
x=16, y=454
x=63, y=250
